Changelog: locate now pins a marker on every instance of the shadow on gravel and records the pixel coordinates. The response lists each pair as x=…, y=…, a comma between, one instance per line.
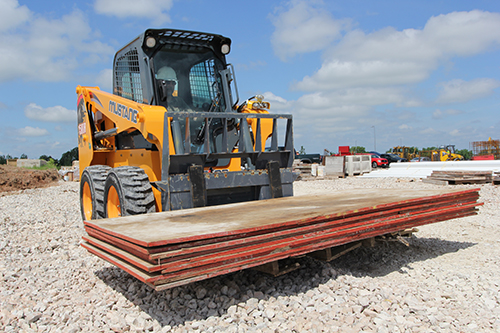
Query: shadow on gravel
x=389, y=257
x=213, y=297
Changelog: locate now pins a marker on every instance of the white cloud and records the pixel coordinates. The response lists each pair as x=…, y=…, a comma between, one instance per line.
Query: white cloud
x=269, y=96
x=252, y=65
x=336, y=116
x=48, y=49
x=55, y=145
x=32, y=131
x=105, y=80
x=429, y=131
x=335, y=74
x=278, y=104
x=365, y=77
x=12, y=15
x=459, y=91
x=463, y=33
x=304, y=27
x=403, y=115
x=338, y=113
x=155, y=10
x=51, y=114
x=313, y=107
x=439, y=114
x=391, y=57
x=355, y=96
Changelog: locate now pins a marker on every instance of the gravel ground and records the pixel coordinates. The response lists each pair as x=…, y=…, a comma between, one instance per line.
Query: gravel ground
x=448, y=280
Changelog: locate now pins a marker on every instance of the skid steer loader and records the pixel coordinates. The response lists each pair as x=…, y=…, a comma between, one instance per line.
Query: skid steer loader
x=175, y=173
x=172, y=135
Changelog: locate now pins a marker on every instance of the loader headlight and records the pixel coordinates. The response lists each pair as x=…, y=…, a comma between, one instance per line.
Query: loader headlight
x=225, y=49
x=260, y=105
x=150, y=42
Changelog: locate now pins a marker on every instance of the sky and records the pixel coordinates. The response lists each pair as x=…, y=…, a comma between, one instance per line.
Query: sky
x=365, y=73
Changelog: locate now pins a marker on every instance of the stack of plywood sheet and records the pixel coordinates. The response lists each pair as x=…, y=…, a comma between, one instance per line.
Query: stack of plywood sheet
x=459, y=177
x=496, y=178
x=169, y=249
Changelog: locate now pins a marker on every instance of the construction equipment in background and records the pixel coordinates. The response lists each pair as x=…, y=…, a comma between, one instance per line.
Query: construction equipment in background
x=442, y=154
x=175, y=172
x=405, y=152
x=486, y=150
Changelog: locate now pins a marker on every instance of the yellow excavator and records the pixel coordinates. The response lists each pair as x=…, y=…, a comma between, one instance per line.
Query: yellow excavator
x=176, y=170
x=446, y=153
x=404, y=152
x=442, y=154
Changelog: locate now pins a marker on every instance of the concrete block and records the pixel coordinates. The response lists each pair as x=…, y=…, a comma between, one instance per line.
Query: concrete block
x=27, y=163
x=334, y=166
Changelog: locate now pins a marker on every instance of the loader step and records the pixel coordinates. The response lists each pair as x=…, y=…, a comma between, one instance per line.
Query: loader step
x=173, y=248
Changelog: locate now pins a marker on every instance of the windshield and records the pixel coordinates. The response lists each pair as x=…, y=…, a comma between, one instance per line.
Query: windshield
x=190, y=79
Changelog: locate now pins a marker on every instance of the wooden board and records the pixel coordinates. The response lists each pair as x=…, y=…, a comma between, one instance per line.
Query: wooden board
x=262, y=232
x=218, y=221
x=442, y=177
x=200, y=272
x=163, y=254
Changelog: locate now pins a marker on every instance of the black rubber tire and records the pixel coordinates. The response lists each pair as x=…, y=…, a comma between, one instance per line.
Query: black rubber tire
x=94, y=176
x=134, y=191
x=374, y=165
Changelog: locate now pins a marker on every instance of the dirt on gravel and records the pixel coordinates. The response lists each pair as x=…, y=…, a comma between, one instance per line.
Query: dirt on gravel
x=13, y=178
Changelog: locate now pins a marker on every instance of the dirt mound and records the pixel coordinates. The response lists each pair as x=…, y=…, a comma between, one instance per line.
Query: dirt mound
x=14, y=179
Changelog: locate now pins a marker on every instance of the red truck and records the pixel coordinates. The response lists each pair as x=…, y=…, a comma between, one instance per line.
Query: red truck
x=377, y=161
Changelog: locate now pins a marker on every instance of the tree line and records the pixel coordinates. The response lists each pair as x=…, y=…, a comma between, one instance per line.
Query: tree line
x=66, y=159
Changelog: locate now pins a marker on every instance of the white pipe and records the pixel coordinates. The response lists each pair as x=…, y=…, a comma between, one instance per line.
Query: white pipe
x=424, y=169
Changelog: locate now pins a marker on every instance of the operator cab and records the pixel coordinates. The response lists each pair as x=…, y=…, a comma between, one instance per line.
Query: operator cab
x=194, y=61
x=183, y=71
x=451, y=148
